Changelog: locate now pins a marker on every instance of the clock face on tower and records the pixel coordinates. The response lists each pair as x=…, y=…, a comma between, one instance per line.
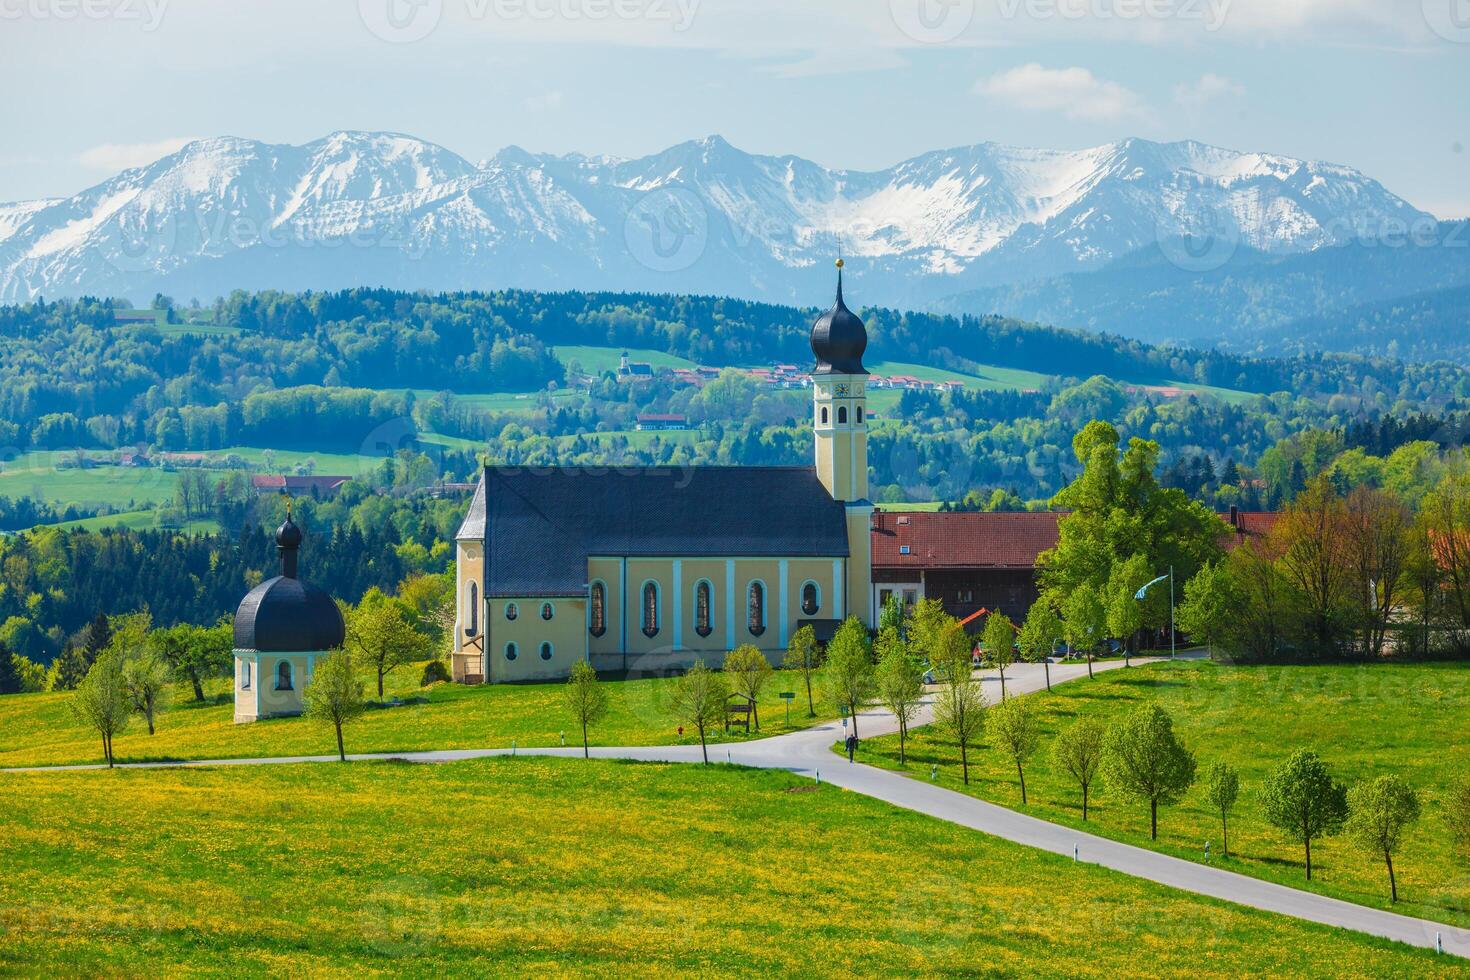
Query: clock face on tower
x=839, y=390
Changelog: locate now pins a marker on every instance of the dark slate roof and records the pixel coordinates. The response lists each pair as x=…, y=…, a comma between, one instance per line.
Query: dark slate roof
x=541, y=525
x=286, y=615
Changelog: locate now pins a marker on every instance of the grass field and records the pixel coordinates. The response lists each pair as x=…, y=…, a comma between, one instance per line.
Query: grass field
x=38, y=729
x=553, y=867
x=1363, y=720
x=595, y=360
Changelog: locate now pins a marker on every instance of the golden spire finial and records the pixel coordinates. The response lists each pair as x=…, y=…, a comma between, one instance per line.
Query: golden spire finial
x=839, y=261
x=288, y=508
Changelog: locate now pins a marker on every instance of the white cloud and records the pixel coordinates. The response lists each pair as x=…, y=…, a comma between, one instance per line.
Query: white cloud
x=1210, y=87
x=549, y=102
x=1075, y=92
x=112, y=157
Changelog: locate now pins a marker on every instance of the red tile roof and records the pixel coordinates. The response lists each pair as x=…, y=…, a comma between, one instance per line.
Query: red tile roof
x=999, y=540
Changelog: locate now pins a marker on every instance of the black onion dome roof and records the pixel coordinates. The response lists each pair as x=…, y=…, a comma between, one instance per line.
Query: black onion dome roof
x=839, y=338
x=285, y=614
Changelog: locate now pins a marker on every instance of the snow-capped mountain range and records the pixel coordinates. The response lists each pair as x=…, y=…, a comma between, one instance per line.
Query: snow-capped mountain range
x=358, y=208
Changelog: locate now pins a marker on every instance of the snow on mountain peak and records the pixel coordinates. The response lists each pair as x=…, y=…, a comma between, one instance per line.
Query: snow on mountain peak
x=422, y=216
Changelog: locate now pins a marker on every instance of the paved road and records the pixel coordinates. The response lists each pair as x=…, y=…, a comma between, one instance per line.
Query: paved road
x=809, y=753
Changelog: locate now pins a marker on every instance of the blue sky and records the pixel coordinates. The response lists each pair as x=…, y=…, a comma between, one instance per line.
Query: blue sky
x=1380, y=85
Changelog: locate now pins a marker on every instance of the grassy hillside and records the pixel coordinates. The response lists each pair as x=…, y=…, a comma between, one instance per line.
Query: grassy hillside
x=551, y=867
x=1365, y=721
x=38, y=729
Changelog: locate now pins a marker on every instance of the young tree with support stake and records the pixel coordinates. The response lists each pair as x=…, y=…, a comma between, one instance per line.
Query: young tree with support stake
x=585, y=699
x=959, y=707
x=1222, y=789
x=999, y=638
x=1146, y=761
x=1301, y=798
x=1011, y=727
x=1078, y=751
x=698, y=700
x=1039, y=635
x=101, y=700
x=803, y=654
x=1379, y=812
x=848, y=676
x=145, y=676
x=334, y=694
x=748, y=671
x=900, y=683
x=1083, y=621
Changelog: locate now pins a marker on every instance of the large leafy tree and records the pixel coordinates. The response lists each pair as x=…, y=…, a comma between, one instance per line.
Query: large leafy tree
x=1301, y=799
x=1118, y=512
x=381, y=631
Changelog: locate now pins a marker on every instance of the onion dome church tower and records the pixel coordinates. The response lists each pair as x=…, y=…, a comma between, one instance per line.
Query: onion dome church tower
x=839, y=423
x=281, y=628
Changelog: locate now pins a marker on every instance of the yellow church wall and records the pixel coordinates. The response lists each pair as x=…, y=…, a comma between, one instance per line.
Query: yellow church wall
x=470, y=568
x=608, y=571
x=860, y=563
x=566, y=631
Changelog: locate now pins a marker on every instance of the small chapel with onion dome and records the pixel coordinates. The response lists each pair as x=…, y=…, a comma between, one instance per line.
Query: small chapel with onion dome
x=655, y=567
x=282, y=627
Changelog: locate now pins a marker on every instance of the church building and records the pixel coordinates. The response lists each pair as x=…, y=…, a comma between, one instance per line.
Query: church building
x=653, y=568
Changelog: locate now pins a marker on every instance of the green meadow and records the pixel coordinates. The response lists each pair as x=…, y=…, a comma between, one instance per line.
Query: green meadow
x=1364, y=721
x=567, y=867
x=38, y=729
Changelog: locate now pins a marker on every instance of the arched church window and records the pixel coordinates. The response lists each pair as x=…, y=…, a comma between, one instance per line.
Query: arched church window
x=824, y=414
x=597, y=620
x=244, y=675
x=546, y=651
x=811, y=599
x=510, y=651
x=512, y=610
x=547, y=611
x=283, y=676
x=860, y=415
x=841, y=414
x=756, y=609
x=650, y=609
x=702, y=621
x=473, y=626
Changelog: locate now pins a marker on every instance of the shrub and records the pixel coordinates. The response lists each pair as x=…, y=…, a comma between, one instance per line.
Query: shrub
x=434, y=672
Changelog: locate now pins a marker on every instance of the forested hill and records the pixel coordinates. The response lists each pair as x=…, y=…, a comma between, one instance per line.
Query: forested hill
x=87, y=373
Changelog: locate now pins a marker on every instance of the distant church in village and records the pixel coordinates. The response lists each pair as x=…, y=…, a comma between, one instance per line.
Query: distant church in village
x=655, y=567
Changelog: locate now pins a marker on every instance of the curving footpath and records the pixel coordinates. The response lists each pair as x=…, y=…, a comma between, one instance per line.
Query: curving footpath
x=810, y=753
